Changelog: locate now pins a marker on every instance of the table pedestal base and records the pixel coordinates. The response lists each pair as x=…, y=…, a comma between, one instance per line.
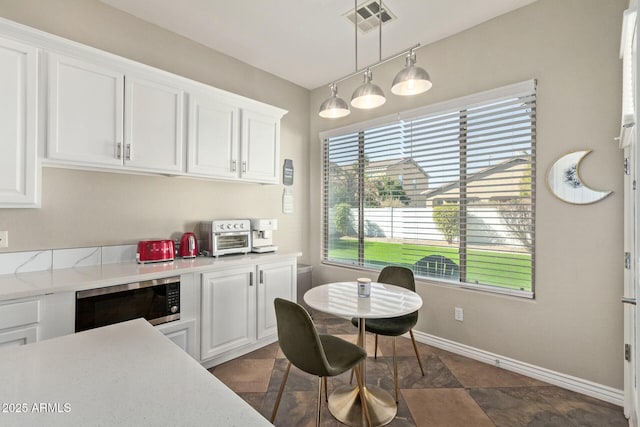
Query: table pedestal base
x=345, y=405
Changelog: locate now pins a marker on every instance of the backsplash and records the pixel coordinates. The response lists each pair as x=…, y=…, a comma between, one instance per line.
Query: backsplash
x=55, y=259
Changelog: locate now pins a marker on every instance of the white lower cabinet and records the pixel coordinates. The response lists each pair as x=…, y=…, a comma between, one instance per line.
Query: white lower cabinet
x=182, y=333
x=237, y=307
x=228, y=310
x=275, y=280
x=18, y=337
x=19, y=322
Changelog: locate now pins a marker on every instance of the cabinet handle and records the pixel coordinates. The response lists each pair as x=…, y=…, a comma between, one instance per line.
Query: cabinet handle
x=261, y=279
x=233, y=165
x=118, y=150
x=251, y=278
x=129, y=152
x=244, y=166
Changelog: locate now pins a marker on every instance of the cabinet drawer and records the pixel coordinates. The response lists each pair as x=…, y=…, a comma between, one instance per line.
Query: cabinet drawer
x=19, y=314
x=18, y=337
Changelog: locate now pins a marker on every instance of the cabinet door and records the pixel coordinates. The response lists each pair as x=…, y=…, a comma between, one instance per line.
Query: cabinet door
x=18, y=337
x=260, y=147
x=181, y=333
x=228, y=310
x=85, y=113
x=154, y=126
x=213, y=138
x=19, y=174
x=275, y=280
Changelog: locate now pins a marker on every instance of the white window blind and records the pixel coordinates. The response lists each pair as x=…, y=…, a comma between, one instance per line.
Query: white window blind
x=447, y=190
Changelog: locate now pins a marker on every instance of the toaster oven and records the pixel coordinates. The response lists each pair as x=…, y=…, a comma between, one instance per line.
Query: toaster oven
x=224, y=237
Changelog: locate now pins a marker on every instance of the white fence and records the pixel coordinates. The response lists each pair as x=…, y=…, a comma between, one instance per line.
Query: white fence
x=485, y=225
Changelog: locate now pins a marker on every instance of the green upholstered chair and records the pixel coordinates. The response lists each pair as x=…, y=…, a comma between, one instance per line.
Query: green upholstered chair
x=395, y=326
x=317, y=354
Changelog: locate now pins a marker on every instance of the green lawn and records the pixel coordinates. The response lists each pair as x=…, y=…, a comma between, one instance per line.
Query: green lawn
x=506, y=270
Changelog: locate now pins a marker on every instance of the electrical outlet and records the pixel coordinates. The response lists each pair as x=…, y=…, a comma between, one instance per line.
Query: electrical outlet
x=458, y=314
x=4, y=239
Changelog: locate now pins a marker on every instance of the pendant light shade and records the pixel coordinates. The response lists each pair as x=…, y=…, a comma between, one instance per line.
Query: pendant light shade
x=367, y=95
x=412, y=79
x=334, y=106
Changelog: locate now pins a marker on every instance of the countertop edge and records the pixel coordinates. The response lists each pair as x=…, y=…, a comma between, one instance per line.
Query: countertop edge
x=35, y=284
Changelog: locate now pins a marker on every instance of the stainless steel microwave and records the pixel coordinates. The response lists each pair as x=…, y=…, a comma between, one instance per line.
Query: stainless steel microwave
x=157, y=300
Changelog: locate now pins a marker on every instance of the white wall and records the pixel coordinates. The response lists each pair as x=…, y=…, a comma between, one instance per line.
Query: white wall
x=574, y=325
x=91, y=208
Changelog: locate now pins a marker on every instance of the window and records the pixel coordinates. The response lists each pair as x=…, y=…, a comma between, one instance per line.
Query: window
x=447, y=190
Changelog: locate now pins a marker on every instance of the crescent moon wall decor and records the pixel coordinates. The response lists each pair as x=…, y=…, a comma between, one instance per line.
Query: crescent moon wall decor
x=565, y=183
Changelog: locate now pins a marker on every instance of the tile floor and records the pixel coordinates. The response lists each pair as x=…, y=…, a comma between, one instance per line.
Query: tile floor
x=455, y=391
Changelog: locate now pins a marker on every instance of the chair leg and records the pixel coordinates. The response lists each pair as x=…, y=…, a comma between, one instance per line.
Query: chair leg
x=326, y=393
x=365, y=407
x=395, y=368
x=319, y=400
x=284, y=381
x=375, y=351
x=415, y=348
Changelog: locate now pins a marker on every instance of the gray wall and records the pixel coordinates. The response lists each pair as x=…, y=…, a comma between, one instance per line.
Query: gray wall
x=574, y=325
x=90, y=208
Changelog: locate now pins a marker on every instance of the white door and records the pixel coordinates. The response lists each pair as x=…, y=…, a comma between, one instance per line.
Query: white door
x=275, y=280
x=85, y=112
x=19, y=177
x=213, y=137
x=630, y=284
x=154, y=131
x=260, y=147
x=228, y=310
x=631, y=218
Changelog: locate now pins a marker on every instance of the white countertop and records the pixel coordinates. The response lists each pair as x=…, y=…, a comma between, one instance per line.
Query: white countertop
x=341, y=299
x=22, y=285
x=127, y=374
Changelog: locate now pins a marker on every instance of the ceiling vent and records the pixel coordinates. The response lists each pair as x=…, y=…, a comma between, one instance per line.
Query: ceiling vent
x=368, y=16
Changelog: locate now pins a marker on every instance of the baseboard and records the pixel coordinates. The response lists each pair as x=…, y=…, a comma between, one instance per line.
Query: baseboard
x=579, y=385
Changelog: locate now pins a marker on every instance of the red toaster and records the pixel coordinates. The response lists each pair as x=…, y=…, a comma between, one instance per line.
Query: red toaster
x=155, y=251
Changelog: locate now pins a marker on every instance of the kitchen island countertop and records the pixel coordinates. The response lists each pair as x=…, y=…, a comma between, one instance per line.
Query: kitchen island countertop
x=127, y=374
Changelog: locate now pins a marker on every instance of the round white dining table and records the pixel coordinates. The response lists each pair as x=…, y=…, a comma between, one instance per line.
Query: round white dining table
x=341, y=299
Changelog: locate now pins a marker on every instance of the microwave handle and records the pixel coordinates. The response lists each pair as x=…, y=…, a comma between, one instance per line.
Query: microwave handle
x=126, y=287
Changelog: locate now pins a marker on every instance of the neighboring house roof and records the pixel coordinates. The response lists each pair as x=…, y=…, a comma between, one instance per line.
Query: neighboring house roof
x=500, y=167
x=387, y=164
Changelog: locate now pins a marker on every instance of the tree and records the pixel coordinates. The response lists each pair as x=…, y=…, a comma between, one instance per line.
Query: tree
x=516, y=214
x=447, y=219
x=388, y=192
x=343, y=218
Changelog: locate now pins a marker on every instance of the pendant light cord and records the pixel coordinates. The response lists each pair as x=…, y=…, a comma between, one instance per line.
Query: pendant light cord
x=380, y=30
x=355, y=27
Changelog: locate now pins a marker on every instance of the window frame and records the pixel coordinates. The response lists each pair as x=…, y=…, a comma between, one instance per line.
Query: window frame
x=450, y=106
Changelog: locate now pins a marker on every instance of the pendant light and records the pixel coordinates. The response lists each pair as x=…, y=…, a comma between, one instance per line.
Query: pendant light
x=368, y=95
x=411, y=80
x=334, y=107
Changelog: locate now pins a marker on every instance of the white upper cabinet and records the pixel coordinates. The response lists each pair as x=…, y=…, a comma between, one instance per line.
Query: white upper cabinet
x=85, y=113
x=213, y=137
x=19, y=171
x=154, y=117
x=100, y=117
x=231, y=141
x=106, y=112
x=260, y=147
